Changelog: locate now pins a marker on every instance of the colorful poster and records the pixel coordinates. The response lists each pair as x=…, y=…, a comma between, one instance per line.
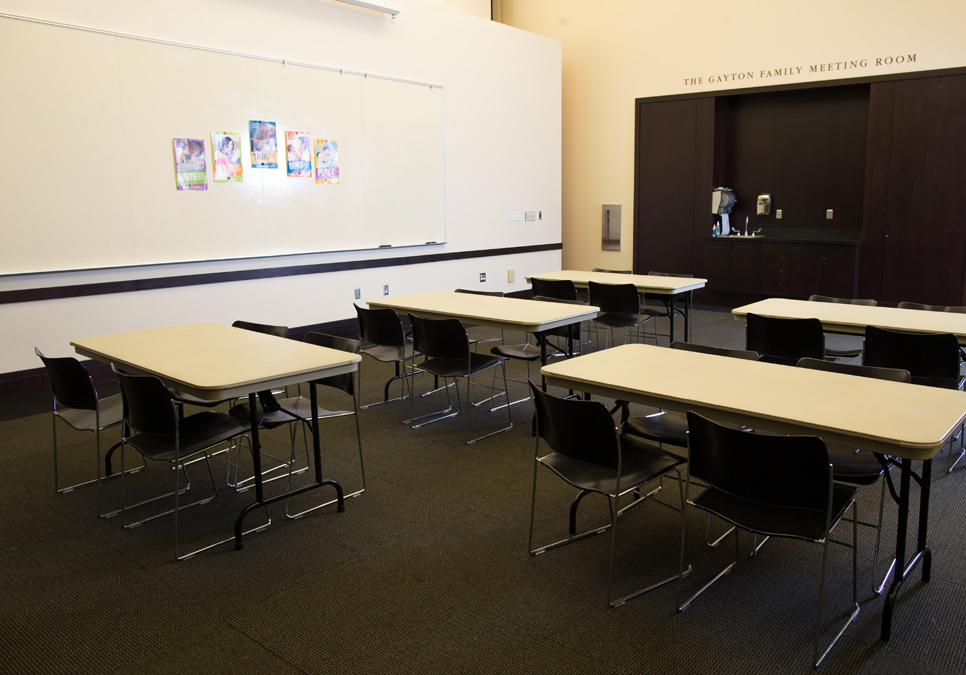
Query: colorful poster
x=189, y=164
x=298, y=154
x=226, y=153
x=326, y=161
x=264, y=144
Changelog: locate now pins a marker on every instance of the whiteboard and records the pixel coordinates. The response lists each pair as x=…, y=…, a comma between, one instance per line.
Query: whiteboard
x=89, y=181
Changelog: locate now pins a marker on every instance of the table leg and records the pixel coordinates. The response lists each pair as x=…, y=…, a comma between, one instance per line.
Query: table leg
x=922, y=549
x=260, y=499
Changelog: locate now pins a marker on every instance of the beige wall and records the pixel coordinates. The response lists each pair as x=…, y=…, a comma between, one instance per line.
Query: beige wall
x=615, y=51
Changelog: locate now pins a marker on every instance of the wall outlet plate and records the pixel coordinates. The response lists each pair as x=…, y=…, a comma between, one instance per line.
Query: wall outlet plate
x=358, y=293
x=482, y=277
x=530, y=216
x=385, y=289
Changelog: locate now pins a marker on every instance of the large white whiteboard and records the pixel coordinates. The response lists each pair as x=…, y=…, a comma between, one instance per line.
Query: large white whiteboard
x=88, y=177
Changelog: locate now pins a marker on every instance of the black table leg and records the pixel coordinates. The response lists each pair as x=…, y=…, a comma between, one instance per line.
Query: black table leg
x=260, y=499
x=922, y=549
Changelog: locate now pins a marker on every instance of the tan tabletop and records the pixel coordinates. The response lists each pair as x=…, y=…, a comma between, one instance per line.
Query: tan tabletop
x=646, y=283
x=899, y=419
x=852, y=319
x=213, y=361
x=528, y=316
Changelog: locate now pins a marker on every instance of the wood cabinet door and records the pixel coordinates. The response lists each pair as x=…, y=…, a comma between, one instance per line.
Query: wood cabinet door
x=924, y=245
x=664, y=187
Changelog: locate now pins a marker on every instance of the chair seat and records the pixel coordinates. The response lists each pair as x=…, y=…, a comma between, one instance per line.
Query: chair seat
x=443, y=367
x=523, y=352
x=842, y=353
x=388, y=353
x=858, y=468
x=621, y=320
x=112, y=411
x=775, y=520
x=668, y=427
x=640, y=463
x=198, y=432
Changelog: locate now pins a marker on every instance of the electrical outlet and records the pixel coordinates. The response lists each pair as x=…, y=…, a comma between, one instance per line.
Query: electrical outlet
x=358, y=293
x=510, y=275
x=828, y=214
x=514, y=216
x=385, y=289
x=530, y=216
x=482, y=277
x=778, y=214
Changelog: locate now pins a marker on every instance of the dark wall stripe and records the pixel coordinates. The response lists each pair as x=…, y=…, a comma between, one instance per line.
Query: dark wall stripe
x=108, y=288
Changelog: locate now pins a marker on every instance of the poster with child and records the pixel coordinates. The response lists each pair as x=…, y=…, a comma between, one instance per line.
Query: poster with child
x=189, y=164
x=326, y=161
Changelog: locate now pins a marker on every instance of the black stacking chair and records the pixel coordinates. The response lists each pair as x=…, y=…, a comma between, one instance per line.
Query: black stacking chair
x=863, y=468
x=620, y=307
x=672, y=427
x=933, y=359
x=665, y=300
x=932, y=308
x=561, y=289
x=776, y=486
x=831, y=353
x=297, y=411
x=77, y=403
x=154, y=427
x=785, y=341
x=475, y=342
x=447, y=354
x=586, y=450
x=384, y=339
x=601, y=269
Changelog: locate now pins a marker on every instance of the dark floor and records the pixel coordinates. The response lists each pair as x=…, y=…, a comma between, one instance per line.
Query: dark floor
x=428, y=571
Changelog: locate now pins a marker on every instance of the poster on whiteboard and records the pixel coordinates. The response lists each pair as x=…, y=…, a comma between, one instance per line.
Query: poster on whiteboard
x=326, y=161
x=189, y=164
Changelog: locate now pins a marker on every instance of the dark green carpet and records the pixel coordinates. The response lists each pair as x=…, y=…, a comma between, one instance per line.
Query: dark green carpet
x=428, y=570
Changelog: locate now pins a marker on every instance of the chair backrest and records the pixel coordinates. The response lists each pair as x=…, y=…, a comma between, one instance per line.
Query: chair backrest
x=789, y=471
x=72, y=384
x=581, y=430
x=440, y=338
x=958, y=309
x=877, y=372
x=931, y=358
x=616, y=298
x=148, y=408
x=561, y=289
x=268, y=329
x=601, y=269
x=682, y=275
x=346, y=381
x=381, y=326
x=495, y=294
x=845, y=301
x=717, y=351
x=784, y=340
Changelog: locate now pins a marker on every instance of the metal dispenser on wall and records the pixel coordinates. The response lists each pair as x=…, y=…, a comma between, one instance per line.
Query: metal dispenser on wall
x=722, y=202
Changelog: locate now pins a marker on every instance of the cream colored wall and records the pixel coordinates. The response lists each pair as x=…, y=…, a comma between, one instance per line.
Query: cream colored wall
x=502, y=128
x=477, y=8
x=615, y=51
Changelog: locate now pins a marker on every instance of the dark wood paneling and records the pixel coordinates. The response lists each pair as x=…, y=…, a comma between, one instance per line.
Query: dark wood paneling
x=924, y=256
x=839, y=267
x=805, y=148
x=874, y=207
x=665, y=186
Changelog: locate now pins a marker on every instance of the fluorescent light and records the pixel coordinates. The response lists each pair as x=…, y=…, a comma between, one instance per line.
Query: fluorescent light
x=385, y=6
